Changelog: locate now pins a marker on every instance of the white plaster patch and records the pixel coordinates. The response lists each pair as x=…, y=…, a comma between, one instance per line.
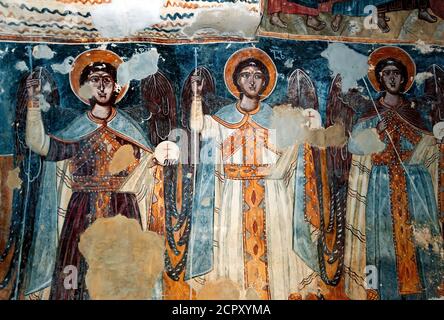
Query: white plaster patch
x=368, y=141
x=122, y=18
x=140, y=66
x=423, y=76
x=289, y=63
x=233, y=20
x=42, y=51
x=425, y=48
x=351, y=65
x=21, y=66
x=64, y=67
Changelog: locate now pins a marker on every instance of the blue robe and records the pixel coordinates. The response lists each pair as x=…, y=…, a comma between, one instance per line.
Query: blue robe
x=380, y=246
x=355, y=8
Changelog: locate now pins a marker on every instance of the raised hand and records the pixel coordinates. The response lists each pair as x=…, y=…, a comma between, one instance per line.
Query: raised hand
x=197, y=84
x=382, y=125
x=33, y=87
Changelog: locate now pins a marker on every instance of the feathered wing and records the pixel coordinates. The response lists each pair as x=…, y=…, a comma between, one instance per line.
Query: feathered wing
x=24, y=201
x=434, y=88
x=158, y=97
x=208, y=90
x=338, y=167
x=301, y=91
x=339, y=112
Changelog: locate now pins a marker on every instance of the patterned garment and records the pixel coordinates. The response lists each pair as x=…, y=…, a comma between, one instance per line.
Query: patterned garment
x=303, y=7
x=400, y=205
x=94, y=196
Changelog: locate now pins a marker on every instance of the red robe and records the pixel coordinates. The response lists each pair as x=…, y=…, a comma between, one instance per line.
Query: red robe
x=286, y=7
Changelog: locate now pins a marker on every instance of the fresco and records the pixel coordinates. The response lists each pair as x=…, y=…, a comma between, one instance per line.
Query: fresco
x=388, y=21
x=234, y=165
x=107, y=20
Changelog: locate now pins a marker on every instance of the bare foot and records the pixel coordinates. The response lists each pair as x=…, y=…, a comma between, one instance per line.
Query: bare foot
x=277, y=21
x=425, y=15
x=314, y=23
x=382, y=23
x=336, y=23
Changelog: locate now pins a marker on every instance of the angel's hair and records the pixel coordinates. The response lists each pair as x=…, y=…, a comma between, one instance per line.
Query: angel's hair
x=391, y=62
x=95, y=67
x=251, y=62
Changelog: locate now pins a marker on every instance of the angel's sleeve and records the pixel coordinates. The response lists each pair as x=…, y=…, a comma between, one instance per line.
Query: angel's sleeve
x=141, y=183
x=427, y=153
x=52, y=148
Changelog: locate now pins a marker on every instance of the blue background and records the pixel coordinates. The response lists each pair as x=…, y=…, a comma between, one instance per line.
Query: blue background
x=176, y=62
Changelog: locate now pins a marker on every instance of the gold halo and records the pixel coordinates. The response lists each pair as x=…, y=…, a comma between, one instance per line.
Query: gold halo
x=242, y=55
x=395, y=53
x=88, y=57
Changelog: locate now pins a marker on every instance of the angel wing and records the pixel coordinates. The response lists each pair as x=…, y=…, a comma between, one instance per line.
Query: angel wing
x=25, y=199
x=208, y=91
x=159, y=98
x=339, y=112
x=434, y=88
x=301, y=91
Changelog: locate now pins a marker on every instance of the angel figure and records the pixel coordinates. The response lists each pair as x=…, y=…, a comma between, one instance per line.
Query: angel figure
x=81, y=180
x=243, y=223
x=392, y=222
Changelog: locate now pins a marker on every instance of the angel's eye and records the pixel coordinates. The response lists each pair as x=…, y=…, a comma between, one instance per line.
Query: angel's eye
x=245, y=75
x=94, y=79
x=107, y=81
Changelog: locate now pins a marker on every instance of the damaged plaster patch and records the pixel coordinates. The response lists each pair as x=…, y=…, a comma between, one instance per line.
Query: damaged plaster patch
x=353, y=28
x=422, y=77
x=351, y=65
x=42, y=51
x=64, y=67
x=424, y=238
x=123, y=261
x=123, y=18
x=13, y=180
x=220, y=289
x=232, y=20
x=368, y=141
x=44, y=105
x=296, y=125
x=289, y=63
x=122, y=159
x=140, y=66
x=425, y=48
x=21, y=66
x=85, y=91
x=251, y=294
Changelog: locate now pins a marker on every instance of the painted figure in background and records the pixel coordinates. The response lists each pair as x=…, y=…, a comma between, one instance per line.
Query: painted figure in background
x=242, y=224
x=357, y=8
x=309, y=8
x=392, y=207
x=423, y=7
x=82, y=179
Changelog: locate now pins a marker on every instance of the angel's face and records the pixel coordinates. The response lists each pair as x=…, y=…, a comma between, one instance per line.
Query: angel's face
x=251, y=81
x=102, y=86
x=392, y=79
